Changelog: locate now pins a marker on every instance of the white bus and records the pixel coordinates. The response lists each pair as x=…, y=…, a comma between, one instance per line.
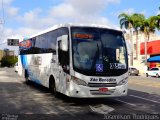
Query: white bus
x=83, y=61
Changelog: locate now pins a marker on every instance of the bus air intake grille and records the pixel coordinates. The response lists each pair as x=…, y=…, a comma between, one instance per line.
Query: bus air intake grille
x=96, y=92
x=102, y=84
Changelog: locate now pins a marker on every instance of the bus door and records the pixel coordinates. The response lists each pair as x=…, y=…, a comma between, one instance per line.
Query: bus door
x=62, y=74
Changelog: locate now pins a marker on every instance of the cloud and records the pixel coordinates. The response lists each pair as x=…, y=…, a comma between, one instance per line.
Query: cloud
x=72, y=11
x=68, y=11
x=30, y=17
x=34, y=19
x=20, y=34
x=127, y=11
x=78, y=11
x=85, y=8
x=12, y=11
x=9, y=10
x=89, y=7
x=7, y=2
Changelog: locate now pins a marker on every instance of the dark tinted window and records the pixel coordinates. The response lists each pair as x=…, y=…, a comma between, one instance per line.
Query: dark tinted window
x=154, y=69
x=133, y=68
x=52, y=38
x=63, y=31
x=98, y=51
x=45, y=43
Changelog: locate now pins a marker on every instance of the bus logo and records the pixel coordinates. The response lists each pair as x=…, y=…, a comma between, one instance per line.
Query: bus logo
x=25, y=44
x=99, y=67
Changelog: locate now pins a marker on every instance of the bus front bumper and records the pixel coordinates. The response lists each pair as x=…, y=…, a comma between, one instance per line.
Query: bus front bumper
x=80, y=91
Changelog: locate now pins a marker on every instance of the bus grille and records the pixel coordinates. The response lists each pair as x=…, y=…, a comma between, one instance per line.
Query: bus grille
x=96, y=92
x=102, y=84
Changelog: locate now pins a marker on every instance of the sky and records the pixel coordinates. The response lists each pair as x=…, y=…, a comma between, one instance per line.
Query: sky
x=22, y=18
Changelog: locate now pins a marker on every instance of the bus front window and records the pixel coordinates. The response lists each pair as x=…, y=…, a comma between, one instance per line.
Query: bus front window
x=98, y=51
x=84, y=54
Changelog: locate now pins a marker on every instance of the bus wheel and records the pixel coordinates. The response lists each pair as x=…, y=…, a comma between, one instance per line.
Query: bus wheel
x=157, y=75
x=52, y=86
x=26, y=77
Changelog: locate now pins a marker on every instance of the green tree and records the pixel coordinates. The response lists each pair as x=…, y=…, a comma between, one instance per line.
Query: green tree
x=148, y=26
x=158, y=20
x=8, y=61
x=155, y=20
x=126, y=21
x=137, y=21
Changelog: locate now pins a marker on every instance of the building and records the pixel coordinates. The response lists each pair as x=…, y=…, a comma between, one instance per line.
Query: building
x=153, y=49
x=6, y=52
x=1, y=54
x=153, y=45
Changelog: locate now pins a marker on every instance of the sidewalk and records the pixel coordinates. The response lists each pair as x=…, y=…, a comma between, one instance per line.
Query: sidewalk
x=142, y=74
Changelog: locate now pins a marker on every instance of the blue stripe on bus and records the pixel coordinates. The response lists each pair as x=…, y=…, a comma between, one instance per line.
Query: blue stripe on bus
x=30, y=73
x=33, y=77
x=24, y=61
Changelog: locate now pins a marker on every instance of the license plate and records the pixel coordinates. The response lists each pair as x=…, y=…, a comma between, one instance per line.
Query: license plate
x=103, y=89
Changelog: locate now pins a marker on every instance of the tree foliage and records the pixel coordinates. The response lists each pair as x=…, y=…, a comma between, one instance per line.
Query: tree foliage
x=125, y=21
x=8, y=61
x=138, y=22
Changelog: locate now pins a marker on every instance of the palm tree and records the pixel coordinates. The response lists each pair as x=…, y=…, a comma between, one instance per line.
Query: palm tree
x=127, y=22
x=137, y=23
x=156, y=21
x=148, y=26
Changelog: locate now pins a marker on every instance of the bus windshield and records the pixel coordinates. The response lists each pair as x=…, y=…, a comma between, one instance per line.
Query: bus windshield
x=98, y=51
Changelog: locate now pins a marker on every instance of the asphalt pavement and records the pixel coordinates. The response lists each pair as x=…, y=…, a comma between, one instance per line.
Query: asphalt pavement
x=29, y=102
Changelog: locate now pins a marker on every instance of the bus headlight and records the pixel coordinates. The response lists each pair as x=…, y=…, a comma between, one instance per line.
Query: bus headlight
x=123, y=82
x=78, y=81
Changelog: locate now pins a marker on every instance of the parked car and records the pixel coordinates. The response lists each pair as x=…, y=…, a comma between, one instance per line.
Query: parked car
x=155, y=71
x=133, y=71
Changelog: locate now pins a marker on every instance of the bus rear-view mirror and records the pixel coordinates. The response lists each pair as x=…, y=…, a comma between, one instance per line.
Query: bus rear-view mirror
x=64, y=42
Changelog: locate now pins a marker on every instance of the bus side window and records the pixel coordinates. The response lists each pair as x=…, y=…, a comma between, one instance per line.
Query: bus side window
x=63, y=58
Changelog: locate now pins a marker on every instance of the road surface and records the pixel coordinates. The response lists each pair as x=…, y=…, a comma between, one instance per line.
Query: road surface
x=30, y=102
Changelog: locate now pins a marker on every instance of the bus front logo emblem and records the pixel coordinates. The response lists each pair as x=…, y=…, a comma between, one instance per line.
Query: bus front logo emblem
x=99, y=67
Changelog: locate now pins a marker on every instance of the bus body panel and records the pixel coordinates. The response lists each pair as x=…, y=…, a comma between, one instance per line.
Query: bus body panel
x=38, y=67
x=80, y=91
x=20, y=67
x=41, y=67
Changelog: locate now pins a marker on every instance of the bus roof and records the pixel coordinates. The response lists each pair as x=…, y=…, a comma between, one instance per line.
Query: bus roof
x=72, y=24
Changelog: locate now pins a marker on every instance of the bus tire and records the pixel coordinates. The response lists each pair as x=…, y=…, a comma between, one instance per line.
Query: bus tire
x=52, y=86
x=26, y=77
x=157, y=76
